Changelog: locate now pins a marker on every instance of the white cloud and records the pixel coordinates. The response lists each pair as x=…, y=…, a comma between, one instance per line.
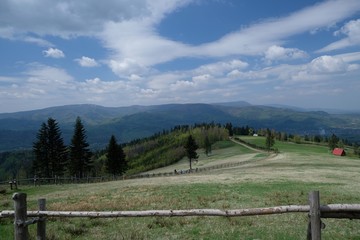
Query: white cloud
x=87, y=62
x=135, y=77
x=39, y=86
x=47, y=75
x=163, y=80
x=350, y=57
x=257, y=38
x=129, y=32
x=127, y=68
x=236, y=74
x=54, y=53
x=277, y=53
x=351, y=29
x=138, y=39
x=98, y=86
x=66, y=18
x=219, y=68
x=327, y=64
x=352, y=32
x=182, y=85
x=39, y=41
x=129, y=29
x=202, y=78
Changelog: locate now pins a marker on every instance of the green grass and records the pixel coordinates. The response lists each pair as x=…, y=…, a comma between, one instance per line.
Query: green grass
x=273, y=180
x=288, y=146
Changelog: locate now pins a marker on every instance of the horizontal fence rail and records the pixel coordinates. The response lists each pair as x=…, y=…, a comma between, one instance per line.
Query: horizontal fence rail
x=314, y=210
x=326, y=210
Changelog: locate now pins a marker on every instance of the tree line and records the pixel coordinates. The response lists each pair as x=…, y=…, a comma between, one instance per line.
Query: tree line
x=52, y=158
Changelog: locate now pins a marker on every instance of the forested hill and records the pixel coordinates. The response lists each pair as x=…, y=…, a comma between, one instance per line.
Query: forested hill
x=18, y=130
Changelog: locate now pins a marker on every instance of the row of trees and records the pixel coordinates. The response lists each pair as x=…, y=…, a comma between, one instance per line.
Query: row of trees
x=54, y=158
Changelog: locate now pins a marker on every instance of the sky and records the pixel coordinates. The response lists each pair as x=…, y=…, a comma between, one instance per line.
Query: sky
x=148, y=52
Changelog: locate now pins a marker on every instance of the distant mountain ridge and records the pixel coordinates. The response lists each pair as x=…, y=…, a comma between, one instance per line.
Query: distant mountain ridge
x=18, y=130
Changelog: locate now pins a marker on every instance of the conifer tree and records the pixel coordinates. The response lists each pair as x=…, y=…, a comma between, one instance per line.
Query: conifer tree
x=207, y=146
x=191, y=148
x=115, y=162
x=229, y=127
x=41, y=165
x=80, y=155
x=57, y=150
x=269, y=141
x=50, y=151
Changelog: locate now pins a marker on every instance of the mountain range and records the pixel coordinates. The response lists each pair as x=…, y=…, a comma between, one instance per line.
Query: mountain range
x=18, y=130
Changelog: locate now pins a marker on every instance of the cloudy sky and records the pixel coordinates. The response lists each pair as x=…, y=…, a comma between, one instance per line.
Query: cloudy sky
x=125, y=52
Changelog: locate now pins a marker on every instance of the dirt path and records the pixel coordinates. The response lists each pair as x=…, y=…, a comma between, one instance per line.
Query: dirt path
x=247, y=146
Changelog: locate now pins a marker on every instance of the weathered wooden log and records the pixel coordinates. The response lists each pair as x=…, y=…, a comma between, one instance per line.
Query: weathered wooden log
x=340, y=208
x=325, y=209
x=347, y=215
x=170, y=213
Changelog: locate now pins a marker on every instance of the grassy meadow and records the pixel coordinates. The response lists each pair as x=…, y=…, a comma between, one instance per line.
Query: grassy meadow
x=265, y=180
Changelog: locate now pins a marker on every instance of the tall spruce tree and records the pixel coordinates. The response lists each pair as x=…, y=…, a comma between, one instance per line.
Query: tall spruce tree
x=269, y=141
x=191, y=148
x=50, y=151
x=229, y=127
x=41, y=165
x=58, y=154
x=207, y=146
x=115, y=162
x=80, y=154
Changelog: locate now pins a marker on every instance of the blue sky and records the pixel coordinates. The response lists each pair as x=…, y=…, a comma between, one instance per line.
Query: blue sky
x=126, y=52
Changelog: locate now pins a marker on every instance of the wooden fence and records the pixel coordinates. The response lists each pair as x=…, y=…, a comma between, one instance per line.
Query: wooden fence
x=314, y=210
x=13, y=183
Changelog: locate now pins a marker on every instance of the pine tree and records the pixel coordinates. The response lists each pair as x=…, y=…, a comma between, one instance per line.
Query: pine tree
x=269, y=141
x=50, y=151
x=191, y=148
x=207, y=146
x=80, y=155
x=41, y=162
x=115, y=163
x=56, y=149
x=229, y=127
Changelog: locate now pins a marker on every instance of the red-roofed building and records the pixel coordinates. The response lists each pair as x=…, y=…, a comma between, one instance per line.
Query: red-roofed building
x=339, y=152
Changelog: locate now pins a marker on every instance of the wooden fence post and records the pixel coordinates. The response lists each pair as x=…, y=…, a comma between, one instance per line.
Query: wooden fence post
x=41, y=224
x=20, y=227
x=315, y=220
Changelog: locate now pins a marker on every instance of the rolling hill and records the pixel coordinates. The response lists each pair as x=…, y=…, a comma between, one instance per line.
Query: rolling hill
x=18, y=130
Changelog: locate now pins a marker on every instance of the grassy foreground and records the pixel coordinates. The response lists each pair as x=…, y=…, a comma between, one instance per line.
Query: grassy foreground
x=268, y=180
